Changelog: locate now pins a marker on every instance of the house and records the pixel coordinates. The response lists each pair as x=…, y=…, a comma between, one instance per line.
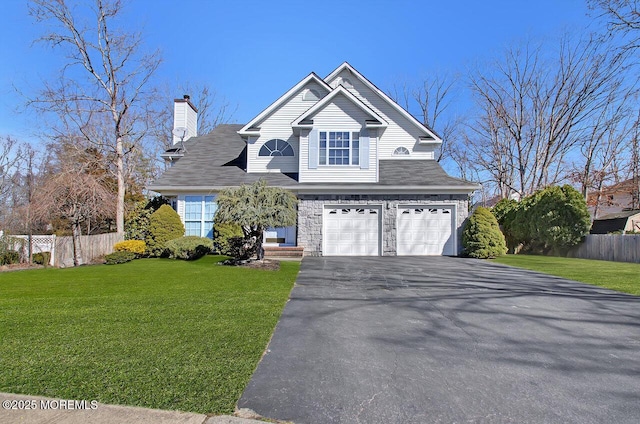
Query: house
x=362, y=167
x=625, y=221
x=623, y=196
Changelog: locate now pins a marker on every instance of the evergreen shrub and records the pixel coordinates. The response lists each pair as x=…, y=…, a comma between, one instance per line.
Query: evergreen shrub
x=164, y=225
x=189, y=247
x=119, y=257
x=138, y=247
x=223, y=235
x=482, y=237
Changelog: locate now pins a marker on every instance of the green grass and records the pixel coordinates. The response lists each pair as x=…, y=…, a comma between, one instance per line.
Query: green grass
x=156, y=333
x=620, y=276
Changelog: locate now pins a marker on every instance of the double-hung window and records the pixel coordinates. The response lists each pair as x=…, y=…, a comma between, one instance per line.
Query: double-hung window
x=198, y=215
x=339, y=148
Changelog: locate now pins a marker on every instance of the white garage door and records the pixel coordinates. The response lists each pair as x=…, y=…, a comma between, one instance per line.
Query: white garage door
x=351, y=231
x=426, y=230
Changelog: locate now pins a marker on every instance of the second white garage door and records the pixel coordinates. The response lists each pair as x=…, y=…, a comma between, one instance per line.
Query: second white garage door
x=351, y=231
x=426, y=230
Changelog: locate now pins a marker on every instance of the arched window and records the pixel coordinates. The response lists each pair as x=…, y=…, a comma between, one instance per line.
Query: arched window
x=401, y=151
x=276, y=147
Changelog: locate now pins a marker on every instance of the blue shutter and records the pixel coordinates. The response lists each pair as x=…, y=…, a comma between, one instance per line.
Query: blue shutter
x=313, y=149
x=364, y=149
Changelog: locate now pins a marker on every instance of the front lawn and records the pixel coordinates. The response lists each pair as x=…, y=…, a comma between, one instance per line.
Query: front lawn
x=156, y=333
x=620, y=276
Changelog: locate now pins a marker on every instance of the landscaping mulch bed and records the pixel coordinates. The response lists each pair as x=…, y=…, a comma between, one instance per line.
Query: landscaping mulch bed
x=265, y=264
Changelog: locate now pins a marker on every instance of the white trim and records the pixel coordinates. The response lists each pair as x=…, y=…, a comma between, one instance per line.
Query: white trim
x=383, y=96
x=327, y=148
x=373, y=188
x=311, y=77
x=326, y=99
x=454, y=219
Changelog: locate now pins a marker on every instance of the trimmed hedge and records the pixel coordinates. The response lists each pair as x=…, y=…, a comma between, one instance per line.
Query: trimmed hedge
x=189, y=247
x=164, y=225
x=119, y=257
x=134, y=246
x=482, y=237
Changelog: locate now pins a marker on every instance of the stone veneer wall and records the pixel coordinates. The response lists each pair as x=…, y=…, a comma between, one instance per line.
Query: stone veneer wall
x=311, y=207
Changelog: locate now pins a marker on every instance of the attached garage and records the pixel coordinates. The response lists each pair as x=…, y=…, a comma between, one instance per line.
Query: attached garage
x=426, y=230
x=352, y=230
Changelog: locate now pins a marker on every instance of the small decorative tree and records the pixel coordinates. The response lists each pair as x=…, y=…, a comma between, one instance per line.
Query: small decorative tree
x=256, y=207
x=74, y=195
x=482, y=237
x=164, y=225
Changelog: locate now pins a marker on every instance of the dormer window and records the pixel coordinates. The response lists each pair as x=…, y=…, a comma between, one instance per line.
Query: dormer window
x=276, y=147
x=401, y=151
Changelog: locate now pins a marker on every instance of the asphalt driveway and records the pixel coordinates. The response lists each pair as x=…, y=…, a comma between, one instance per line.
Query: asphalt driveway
x=427, y=340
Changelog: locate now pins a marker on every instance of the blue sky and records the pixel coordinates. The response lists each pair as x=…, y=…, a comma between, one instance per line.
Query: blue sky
x=251, y=52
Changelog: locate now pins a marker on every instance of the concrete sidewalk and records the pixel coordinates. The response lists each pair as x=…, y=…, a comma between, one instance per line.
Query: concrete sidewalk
x=48, y=410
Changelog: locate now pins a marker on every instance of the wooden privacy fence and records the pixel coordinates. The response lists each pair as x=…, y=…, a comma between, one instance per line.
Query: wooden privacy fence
x=91, y=247
x=609, y=247
x=61, y=248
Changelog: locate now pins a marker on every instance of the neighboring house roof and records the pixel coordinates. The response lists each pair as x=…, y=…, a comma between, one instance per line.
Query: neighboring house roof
x=623, y=214
x=218, y=159
x=613, y=222
x=423, y=127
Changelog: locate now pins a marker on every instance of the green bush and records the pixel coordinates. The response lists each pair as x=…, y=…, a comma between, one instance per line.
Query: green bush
x=9, y=257
x=223, y=233
x=164, y=225
x=503, y=208
x=41, y=258
x=134, y=246
x=189, y=247
x=482, y=237
x=136, y=224
x=559, y=220
x=549, y=221
x=119, y=257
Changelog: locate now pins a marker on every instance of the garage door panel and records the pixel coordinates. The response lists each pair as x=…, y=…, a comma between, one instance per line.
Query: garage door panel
x=425, y=230
x=351, y=231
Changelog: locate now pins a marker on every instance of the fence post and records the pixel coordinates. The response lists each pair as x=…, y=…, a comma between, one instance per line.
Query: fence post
x=52, y=259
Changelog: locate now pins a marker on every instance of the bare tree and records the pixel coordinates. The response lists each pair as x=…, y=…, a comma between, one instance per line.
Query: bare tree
x=213, y=110
x=535, y=110
x=433, y=98
x=622, y=18
x=11, y=157
x=104, y=80
x=74, y=195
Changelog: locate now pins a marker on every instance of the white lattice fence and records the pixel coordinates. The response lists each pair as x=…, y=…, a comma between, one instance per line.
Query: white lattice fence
x=39, y=244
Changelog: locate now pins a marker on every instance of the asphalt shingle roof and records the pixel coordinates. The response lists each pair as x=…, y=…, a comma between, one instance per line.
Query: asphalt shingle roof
x=218, y=159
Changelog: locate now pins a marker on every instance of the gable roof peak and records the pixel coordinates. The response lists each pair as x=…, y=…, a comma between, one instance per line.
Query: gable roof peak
x=339, y=90
x=431, y=134
x=252, y=126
